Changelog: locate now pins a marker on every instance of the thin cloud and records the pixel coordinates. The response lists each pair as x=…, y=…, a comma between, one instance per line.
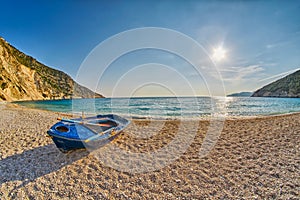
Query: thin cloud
x=292, y=37
x=234, y=74
x=278, y=44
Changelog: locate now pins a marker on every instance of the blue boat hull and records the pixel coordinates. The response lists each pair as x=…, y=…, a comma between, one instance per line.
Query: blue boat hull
x=65, y=144
x=90, y=133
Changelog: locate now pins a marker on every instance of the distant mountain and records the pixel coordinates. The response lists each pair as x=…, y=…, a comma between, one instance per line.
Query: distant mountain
x=24, y=78
x=288, y=86
x=241, y=94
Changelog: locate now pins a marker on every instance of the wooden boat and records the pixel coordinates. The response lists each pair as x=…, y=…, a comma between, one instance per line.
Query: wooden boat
x=90, y=132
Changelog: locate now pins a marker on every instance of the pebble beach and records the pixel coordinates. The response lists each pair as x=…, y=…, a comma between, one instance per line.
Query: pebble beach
x=253, y=158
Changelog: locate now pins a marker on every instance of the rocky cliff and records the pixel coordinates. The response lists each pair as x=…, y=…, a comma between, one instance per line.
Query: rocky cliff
x=288, y=86
x=241, y=94
x=24, y=78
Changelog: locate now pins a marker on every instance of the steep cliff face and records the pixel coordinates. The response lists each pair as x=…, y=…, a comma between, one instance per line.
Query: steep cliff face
x=288, y=86
x=24, y=78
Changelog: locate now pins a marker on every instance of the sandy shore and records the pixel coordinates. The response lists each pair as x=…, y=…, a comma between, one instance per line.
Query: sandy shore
x=252, y=159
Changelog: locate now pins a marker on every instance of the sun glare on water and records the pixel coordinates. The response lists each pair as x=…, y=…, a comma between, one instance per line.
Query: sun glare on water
x=219, y=54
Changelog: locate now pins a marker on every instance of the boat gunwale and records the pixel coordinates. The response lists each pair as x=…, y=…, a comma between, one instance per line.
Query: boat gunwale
x=119, y=128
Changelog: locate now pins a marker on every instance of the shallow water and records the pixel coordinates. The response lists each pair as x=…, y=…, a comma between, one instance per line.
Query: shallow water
x=172, y=107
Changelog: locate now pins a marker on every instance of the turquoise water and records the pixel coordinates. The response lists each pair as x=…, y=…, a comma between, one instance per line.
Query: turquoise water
x=172, y=107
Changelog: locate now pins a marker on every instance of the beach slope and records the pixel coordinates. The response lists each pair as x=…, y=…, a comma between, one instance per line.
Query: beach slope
x=253, y=158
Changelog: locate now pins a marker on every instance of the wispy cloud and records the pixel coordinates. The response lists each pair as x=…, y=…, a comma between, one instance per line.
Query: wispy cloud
x=278, y=44
x=236, y=74
x=231, y=74
x=291, y=38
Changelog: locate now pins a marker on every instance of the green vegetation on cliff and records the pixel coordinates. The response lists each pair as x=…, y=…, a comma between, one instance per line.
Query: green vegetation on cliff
x=288, y=86
x=241, y=94
x=24, y=78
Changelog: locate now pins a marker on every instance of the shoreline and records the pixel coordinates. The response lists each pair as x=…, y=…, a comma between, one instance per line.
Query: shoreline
x=137, y=118
x=252, y=158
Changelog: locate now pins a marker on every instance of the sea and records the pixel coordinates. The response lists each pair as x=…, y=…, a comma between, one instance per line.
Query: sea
x=172, y=107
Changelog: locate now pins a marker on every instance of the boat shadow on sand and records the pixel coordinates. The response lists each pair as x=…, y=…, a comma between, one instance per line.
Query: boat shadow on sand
x=35, y=163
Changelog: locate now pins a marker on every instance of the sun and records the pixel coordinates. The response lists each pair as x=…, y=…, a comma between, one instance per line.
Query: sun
x=219, y=54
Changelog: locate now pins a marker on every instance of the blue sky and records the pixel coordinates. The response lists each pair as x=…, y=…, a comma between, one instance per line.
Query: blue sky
x=260, y=40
